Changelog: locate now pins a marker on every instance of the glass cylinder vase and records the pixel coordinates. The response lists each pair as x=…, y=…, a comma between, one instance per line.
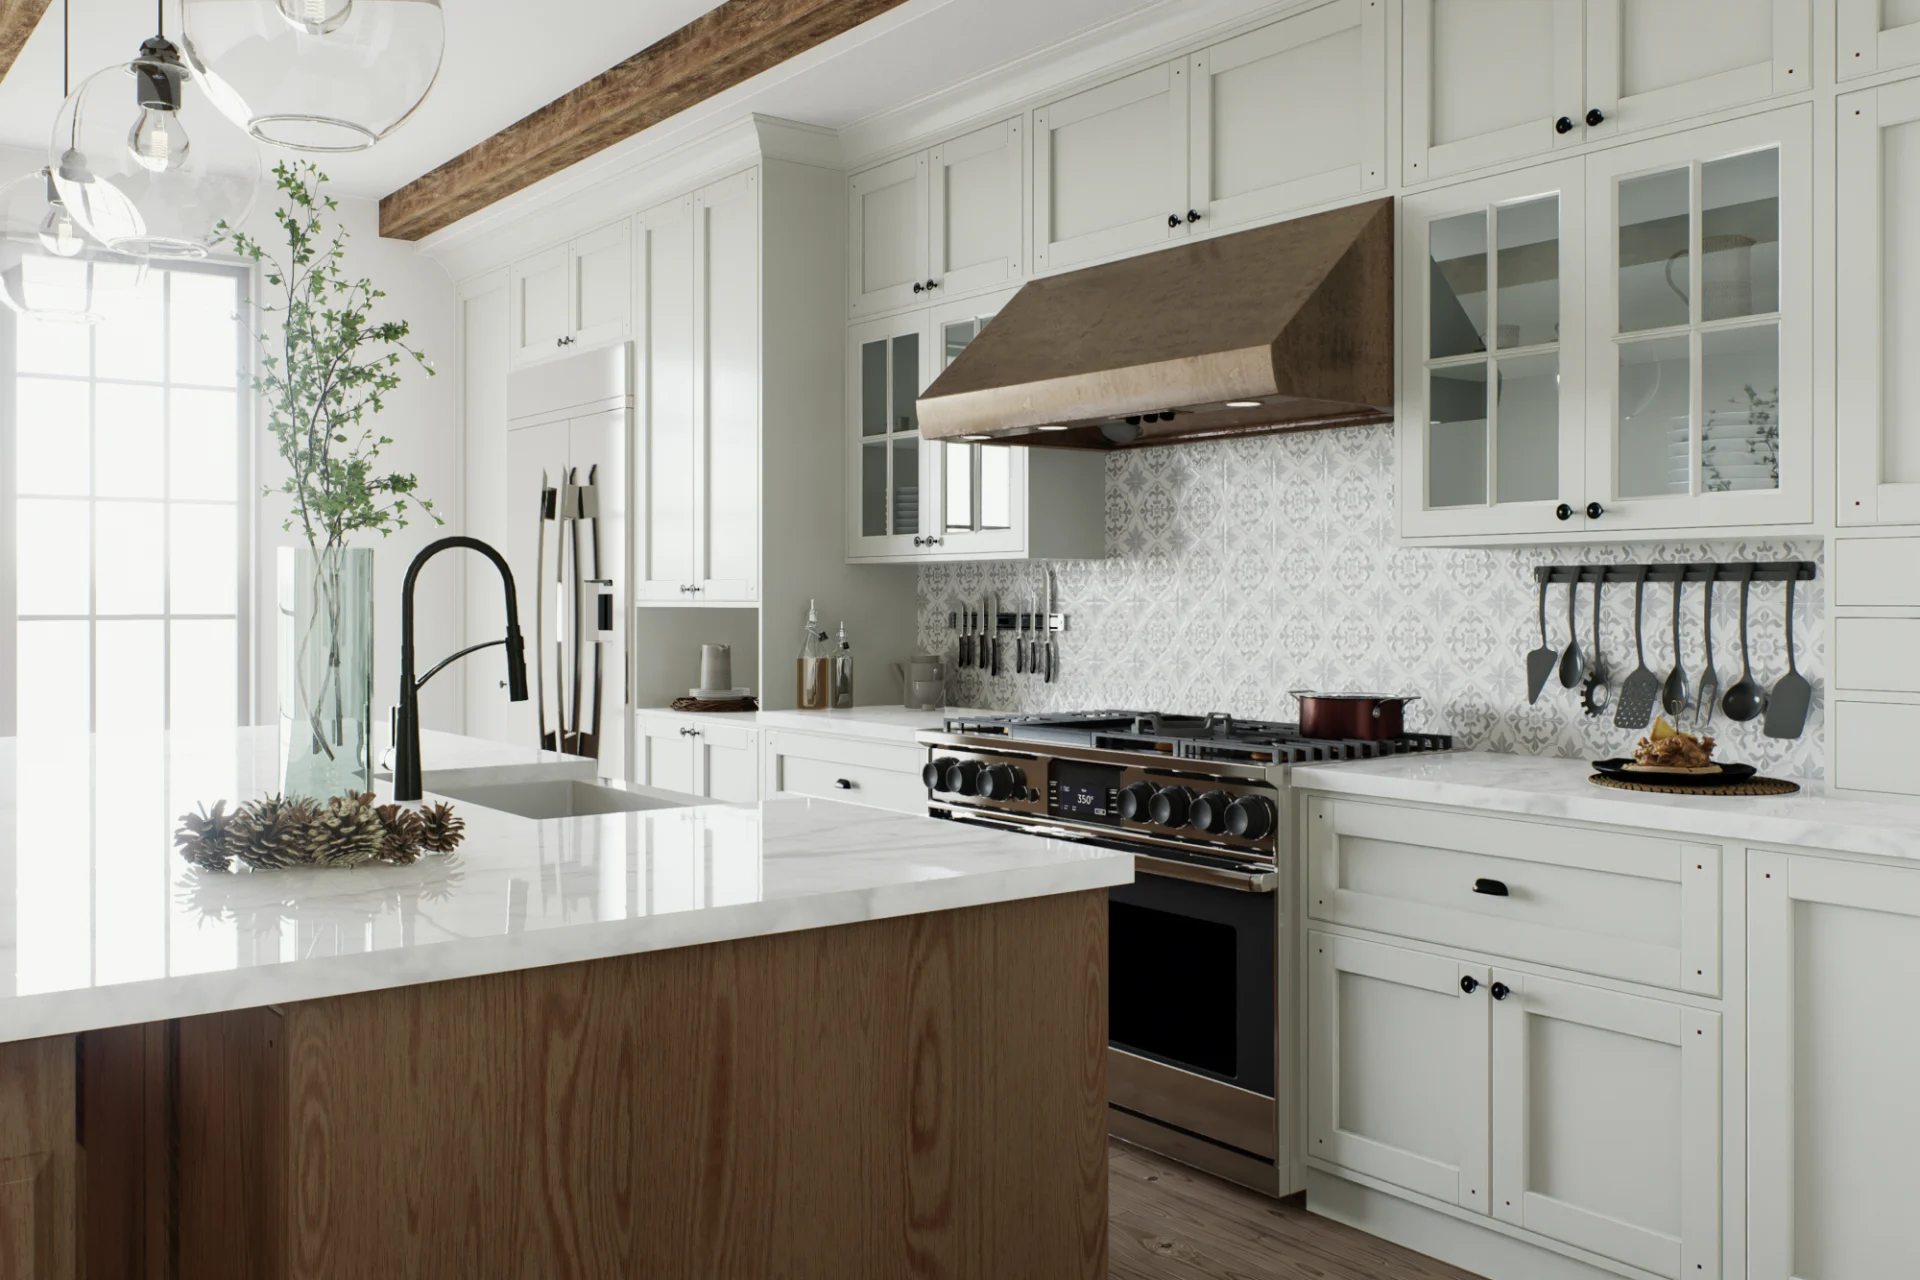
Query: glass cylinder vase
x=326, y=671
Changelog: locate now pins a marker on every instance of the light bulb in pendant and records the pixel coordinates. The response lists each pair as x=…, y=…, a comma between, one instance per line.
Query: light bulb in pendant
x=157, y=140
x=59, y=234
x=316, y=17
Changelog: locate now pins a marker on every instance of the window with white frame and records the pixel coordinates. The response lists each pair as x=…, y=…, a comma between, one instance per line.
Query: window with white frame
x=130, y=510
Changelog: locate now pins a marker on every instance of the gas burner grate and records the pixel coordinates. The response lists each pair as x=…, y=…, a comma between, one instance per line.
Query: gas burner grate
x=1183, y=737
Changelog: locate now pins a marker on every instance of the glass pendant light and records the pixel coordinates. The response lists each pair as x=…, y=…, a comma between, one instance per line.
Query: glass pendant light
x=145, y=165
x=51, y=269
x=315, y=75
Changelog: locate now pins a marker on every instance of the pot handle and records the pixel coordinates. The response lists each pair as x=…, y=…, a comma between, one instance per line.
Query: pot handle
x=1402, y=701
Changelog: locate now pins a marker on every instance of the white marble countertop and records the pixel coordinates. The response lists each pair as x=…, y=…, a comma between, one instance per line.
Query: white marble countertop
x=874, y=724
x=1555, y=788
x=103, y=924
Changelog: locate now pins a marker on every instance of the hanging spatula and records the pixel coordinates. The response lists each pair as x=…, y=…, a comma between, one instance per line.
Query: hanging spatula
x=1572, y=666
x=1787, y=705
x=1541, y=661
x=1637, y=695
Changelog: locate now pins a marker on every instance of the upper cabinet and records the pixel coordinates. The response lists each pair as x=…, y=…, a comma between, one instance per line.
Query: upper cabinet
x=1191, y=146
x=921, y=500
x=1616, y=343
x=1493, y=81
x=572, y=297
x=946, y=221
x=1878, y=292
x=1877, y=35
x=697, y=376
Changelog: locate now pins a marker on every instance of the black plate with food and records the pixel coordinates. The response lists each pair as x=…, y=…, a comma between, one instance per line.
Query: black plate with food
x=1728, y=775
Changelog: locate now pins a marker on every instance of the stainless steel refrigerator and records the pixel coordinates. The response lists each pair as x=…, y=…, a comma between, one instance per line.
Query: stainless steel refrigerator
x=568, y=426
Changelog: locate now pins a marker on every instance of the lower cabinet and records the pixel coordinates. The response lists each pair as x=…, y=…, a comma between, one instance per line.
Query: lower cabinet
x=697, y=755
x=885, y=775
x=1833, y=1116
x=40, y=1161
x=1585, y=1116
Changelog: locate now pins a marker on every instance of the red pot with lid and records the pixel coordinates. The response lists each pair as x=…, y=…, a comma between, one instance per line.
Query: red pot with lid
x=1366, y=716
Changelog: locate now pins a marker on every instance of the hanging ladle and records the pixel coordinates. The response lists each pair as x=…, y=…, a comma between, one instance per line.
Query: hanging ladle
x=1746, y=699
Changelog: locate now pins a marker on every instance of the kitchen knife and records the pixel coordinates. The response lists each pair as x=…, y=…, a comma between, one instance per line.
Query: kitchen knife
x=1046, y=631
x=1021, y=624
x=993, y=616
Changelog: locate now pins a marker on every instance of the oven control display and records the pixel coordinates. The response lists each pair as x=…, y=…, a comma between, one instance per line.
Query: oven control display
x=1076, y=789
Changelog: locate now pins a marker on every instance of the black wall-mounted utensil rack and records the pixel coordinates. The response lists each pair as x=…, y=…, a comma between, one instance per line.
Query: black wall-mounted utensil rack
x=1703, y=571
x=1011, y=622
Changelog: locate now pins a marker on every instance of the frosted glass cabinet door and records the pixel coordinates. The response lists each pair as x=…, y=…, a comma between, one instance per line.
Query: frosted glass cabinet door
x=1324, y=70
x=1485, y=82
x=1492, y=419
x=1652, y=61
x=887, y=226
x=1699, y=341
x=1110, y=168
x=981, y=488
x=1877, y=35
x=1878, y=288
x=889, y=467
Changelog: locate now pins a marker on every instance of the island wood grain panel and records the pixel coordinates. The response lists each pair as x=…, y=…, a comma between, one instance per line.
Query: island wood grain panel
x=922, y=1098
x=18, y=19
x=126, y=1099
x=723, y=47
x=38, y=1185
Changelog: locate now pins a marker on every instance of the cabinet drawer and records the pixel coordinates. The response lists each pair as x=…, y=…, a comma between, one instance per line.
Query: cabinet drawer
x=1869, y=572
x=1637, y=908
x=1876, y=654
x=1873, y=747
x=878, y=774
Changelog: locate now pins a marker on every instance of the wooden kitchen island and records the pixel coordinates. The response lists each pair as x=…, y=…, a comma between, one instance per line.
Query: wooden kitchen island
x=868, y=1045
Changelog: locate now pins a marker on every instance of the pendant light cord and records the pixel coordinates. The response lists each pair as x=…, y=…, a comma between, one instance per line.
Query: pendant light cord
x=160, y=17
x=66, y=49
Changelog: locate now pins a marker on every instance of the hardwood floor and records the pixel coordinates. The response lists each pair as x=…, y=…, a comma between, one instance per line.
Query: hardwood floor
x=1169, y=1222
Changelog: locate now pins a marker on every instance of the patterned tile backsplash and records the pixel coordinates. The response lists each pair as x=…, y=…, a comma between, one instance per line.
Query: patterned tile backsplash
x=1242, y=569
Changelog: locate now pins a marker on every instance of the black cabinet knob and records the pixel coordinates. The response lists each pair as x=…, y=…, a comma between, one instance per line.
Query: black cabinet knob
x=1563, y=511
x=918, y=287
x=1595, y=511
x=935, y=773
x=1193, y=215
x=1594, y=116
x=1469, y=984
x=932, y=285
x=1209, y=812
x=845, y=784
x=1499, y=991
x=1492, y=888
x=1563, y=125
x=1134, y=801
x=1171, y=806
x=1249, y=817
x=1173, y=219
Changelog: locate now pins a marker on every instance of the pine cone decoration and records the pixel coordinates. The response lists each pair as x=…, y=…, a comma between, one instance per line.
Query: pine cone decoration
x=442, y=829
x=206, y=839
x=404, y=830
x=348, y=832
x=275, y=832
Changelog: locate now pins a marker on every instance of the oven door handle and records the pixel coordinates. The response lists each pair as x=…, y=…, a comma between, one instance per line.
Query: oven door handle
x=1173, y=869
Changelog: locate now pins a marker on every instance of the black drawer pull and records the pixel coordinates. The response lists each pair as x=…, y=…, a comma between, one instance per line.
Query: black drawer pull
x=1500, y=990
x=843, y=783
x=1492, y=888
x=1469, y=984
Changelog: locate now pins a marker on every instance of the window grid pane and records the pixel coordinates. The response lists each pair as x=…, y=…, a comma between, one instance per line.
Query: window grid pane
x=129, y=506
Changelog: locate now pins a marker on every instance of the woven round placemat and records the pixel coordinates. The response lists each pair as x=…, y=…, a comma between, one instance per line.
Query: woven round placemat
x=713, y=704
x=1751, y=787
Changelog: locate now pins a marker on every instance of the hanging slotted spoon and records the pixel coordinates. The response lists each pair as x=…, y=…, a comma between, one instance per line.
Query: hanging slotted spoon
x=1540, y=661
x=1637, y=695
x=1673, y=695
x=1570, y=664
x=1746, y=699
x=1787, y=705
x=1709, y=694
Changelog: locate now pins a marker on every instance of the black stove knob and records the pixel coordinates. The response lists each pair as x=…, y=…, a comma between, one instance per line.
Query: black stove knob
x=1171, y=807
x=1210, y=812
x=1134, y=801
x=935, y=773
x=1003, y=782
x=1250, y=817
x=963, y=777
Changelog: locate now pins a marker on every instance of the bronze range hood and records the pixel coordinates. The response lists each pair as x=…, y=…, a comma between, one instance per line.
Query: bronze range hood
x=1281, y=328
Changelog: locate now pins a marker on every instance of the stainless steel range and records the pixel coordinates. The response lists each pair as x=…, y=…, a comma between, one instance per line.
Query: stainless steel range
x=1200, y=984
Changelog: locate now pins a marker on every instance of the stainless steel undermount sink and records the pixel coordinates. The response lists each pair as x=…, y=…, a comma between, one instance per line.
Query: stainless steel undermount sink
x=562, y=797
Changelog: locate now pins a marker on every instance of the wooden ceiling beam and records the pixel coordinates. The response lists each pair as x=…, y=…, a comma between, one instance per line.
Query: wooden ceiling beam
x=722, y=48
x=18, y=18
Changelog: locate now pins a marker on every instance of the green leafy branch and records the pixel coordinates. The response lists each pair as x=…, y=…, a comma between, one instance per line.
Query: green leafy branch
x=326, y=371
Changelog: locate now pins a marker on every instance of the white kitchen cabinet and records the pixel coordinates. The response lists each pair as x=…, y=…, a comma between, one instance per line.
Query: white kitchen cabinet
x=1606, y=1122
x=923, y=500
x=1877, y=35
x=1489, y=82
x=941, y=222
x=698, y=755
x=1878, y=312
x=1833, y=1053
x=1485, y=82
x=885, y=775
x=1110, y=169
x=1643, y=359
x=1397, y=1063
x=1323, y=72
x=572, y=297
x=697, y=468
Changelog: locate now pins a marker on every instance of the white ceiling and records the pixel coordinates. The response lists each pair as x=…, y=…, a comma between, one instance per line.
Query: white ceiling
x=499, y=66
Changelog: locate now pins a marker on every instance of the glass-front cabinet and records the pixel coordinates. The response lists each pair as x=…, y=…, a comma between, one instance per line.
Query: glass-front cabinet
x=892, y=467
x=1614, y=343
